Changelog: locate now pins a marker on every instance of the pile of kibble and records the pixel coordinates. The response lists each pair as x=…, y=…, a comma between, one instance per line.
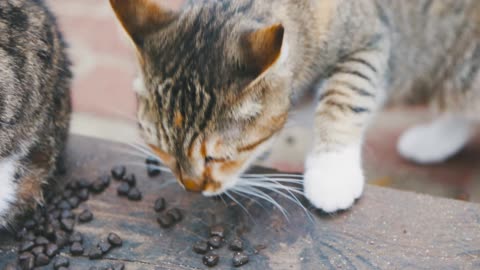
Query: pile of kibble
x=216, y=241
x=51, y=230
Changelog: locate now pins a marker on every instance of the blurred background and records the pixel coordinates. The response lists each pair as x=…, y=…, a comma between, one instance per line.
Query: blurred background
x=104, y=68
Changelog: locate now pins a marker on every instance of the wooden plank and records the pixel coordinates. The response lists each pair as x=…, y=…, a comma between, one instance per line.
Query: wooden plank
x=387, y=229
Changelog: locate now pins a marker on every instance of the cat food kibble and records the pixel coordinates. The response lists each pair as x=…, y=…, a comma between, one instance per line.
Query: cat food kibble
x=153, y=170
x=118, y=172
x=67, y=214
x=211, y=260
x=217, y=230
x=76, y=249
x=105, y=180
x=38, y=250
x=165, y=221
x=41, y=260
x=83, y=194
x=134, y=194
x=41, y=240
x=239, y=259
x=114, y=239
x=176, y=214
x=84, y=183
x=215, y=242
x=160, y=205
x=104, y=246
x=200, y=247
x=236, y=245
x=97, y=186
x=61, y=262
x=123, y=189
x=51, y=250
x=152, y=161
x=131, y=180
x=26, y=260
x=85, y=216
x=67, y=224
x=95, y=253
x=76, y=237
x=26, y=246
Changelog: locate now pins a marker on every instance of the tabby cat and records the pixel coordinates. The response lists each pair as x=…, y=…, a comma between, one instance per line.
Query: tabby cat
x=218, y=80
x=34, y=103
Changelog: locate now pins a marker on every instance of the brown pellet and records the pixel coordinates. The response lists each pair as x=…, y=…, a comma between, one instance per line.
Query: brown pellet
x=160, y=205
x=118, y=172
x=26, y=260
x=83, y=194
x=64, y=205
x=134, y=194
x=97, y=187
x=165, y=221
x=239, y=259
x=67, y=224
x=215, y=242
x=74, y=202
x=211, y=260
x=26, y=246
x=175, y=213
x=38, y=250
x=67, y=214
x=152, y=161
x=85, y=216
x=105, y=180
x=76, y=249
x=41, y=260
x=131, y=180
x=84, y=183
x=200, y=247
x=51, y=250
x=114, y=239
x=217, y=230
x=30, y=224
x=76, y=237
x=61, y=238
x=104, y=247
x=153, y=170
x=61, y=262
x=95, y=253
x=41, y=240
x=236, y=245
x=123, y=189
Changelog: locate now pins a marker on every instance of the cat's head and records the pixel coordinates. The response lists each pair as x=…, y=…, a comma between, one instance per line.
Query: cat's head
x=213, y=93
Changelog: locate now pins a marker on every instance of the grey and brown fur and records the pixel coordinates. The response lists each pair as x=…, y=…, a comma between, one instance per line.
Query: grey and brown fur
x=34, y=101
x=224, y=73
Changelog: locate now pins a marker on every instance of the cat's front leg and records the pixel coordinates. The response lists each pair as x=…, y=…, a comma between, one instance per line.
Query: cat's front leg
x=349, y=98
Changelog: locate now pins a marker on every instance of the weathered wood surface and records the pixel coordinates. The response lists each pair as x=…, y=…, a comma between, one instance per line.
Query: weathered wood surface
x=387, y=229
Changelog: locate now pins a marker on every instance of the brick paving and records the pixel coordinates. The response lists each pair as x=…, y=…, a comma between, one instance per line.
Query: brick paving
x=104, y=66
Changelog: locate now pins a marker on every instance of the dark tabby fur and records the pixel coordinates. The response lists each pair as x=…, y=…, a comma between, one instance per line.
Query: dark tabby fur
x=219, y=78
x=34, y=102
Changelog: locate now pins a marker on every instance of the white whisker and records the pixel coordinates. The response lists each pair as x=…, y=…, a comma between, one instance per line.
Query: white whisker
x=241, y=205
x=295, y=176
x=262, y=195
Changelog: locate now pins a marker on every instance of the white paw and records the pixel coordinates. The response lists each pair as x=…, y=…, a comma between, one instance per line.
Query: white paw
x=7, y=184
x=333, y=180
x=435, y=142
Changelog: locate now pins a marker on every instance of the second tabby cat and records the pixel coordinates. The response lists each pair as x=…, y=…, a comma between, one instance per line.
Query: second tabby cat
x=218, y=80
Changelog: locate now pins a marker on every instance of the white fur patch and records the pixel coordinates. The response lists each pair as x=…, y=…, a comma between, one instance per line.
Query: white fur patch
x=333, y=180
x=437, y=141
x=7, y=186
x=139, y=86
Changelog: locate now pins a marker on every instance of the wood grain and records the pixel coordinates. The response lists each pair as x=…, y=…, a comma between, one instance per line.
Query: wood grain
x=387, y=229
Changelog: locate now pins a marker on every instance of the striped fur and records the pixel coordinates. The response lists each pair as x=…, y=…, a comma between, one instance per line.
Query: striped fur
x=201, y=84
x=34, y=103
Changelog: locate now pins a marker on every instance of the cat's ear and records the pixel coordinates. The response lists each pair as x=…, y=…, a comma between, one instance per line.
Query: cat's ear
x=263, y=47
x=141, y=17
